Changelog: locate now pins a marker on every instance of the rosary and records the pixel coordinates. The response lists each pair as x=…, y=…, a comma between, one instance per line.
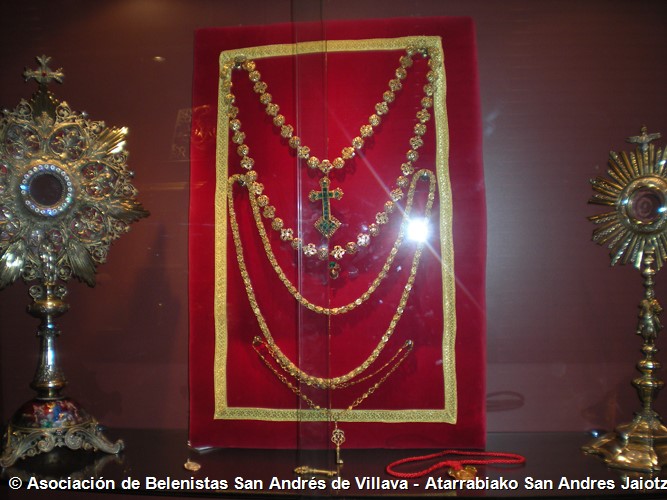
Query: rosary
x=327, y=224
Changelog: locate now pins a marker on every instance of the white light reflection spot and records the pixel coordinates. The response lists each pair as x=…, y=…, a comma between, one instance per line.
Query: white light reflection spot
x=118, y=148
x=418, y=230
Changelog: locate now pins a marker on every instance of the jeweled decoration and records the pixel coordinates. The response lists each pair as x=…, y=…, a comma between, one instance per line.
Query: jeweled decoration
x=635, y=230
x=65, y=196
x=327, y=224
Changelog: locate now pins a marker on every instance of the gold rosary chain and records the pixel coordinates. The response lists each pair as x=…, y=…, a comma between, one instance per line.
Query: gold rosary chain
x=338, y=435
x=408, y=344
x=287, y=130
x=363, y=239
x=405, y=350
x=280, y=357
x=382, y=274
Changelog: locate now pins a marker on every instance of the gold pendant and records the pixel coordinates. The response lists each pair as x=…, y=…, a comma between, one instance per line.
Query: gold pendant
x=338, y=438
x=334, y=270
x=467, y=473
x=327, y=224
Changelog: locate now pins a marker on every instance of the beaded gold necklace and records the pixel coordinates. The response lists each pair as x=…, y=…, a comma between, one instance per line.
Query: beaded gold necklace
x=327, y=224
x=337, y=435
x=282, y=367
x=249, y=181
x=288, y=365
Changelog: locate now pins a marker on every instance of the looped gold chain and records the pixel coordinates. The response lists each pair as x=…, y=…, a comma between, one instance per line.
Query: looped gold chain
x=286, y=364
x=363, y=239
x=382, y=274
x=389, y=367
x=338, y=435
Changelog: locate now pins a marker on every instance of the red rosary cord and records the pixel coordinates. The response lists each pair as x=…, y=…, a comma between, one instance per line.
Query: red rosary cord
x=484, y=458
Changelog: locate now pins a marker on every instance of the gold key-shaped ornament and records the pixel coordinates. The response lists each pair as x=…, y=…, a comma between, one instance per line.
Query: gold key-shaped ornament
x=338, y=438
x=306, y=470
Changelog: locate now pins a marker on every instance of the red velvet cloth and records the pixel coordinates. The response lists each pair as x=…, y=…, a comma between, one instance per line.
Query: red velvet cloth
x=343, y=87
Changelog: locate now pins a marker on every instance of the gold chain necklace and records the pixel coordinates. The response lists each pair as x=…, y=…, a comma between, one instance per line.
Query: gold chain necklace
x=287, y=131
x=337, y=435
x=249, y=181
x=327, y=224
x=285, y=363
x=391, y=364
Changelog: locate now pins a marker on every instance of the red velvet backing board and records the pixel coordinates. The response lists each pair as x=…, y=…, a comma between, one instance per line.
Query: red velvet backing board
x=327, y=96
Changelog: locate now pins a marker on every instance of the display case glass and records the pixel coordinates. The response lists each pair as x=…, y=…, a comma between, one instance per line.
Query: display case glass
x=560, y=84
x=329, y=307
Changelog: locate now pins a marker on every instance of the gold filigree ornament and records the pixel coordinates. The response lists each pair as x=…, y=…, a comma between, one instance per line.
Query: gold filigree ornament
x=467, y=473
x=191, y=465
x=337, y=435
x=636, y=232
x=65, y=196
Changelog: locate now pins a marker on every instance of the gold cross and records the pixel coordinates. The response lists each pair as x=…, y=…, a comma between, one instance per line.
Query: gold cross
x=43, y=75
x=643, y=139
x=327, y=224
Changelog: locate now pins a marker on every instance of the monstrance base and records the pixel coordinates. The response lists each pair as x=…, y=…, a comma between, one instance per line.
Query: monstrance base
x=41, y=425
x=638, y=446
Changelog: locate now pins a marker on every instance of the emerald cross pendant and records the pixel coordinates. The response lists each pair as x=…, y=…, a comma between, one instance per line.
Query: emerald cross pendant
x=327, y=224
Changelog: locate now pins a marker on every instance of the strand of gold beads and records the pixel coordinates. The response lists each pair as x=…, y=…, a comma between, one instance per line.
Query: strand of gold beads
x=249, y=181
x=286, y=364
x=335, y=416
x=363, y=239
x=389, y=364
x=388, y=368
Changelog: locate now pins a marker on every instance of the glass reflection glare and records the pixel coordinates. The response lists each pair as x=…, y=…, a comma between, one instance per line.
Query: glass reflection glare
x=418, y=230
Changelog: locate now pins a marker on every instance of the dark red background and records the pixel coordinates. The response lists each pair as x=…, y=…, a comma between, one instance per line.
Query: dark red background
x=561, y=83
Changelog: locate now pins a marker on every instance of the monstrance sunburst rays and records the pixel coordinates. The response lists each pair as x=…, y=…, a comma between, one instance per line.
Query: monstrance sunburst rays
x=636, y=188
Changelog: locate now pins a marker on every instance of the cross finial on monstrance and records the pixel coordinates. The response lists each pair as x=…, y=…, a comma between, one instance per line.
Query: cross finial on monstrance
x=43, y=101
x=43, y=75
x=643, y=139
